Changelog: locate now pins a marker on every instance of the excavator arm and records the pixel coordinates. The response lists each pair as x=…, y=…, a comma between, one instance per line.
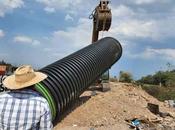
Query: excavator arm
x=102, y=18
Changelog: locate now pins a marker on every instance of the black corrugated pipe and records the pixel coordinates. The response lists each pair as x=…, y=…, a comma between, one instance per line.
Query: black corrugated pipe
x=69, y=77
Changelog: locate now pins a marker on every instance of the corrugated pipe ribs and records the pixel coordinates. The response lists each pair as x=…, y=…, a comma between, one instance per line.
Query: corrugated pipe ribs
x=69, y=77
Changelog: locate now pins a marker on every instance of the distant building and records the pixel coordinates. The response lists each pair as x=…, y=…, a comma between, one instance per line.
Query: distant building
x=6, y=68
x=3, y=69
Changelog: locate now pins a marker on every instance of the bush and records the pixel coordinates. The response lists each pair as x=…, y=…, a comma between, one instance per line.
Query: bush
x=166, y=78
x=113, y=79
x=161, y=93
x=125, y=77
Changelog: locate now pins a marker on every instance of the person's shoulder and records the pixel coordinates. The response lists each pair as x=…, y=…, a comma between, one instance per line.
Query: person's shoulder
x=4, y=94
x=37, y=96
x=33, y=95
x=41, y=99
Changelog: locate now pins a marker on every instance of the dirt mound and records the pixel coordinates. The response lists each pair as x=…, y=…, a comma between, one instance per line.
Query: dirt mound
x=108, y=111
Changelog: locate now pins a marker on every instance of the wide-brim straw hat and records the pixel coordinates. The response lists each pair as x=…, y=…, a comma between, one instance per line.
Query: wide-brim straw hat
x=23, y=77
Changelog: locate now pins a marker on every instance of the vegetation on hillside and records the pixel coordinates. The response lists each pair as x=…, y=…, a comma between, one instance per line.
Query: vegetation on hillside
x=161, y=93
x=164, y=78
x=161, y=84
x=125, y=77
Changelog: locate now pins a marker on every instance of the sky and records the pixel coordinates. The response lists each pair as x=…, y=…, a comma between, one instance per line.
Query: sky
x=39, y=32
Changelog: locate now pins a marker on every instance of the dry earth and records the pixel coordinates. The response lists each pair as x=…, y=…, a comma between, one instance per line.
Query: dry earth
x=109, y=110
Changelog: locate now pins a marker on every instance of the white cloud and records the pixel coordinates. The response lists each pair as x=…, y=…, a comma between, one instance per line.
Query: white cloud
x=49, y=10
x=73, y=7
x=166, y=53
x=135, y=29
x=59, y=4
x=122, y=11
x=151, y=53
x=77, y=36
x=68, y=17
x=2, y=34
x=8, y=6
x=126, y=26
x=26, y=40
x=35, y=43
x=139, y=2
x=64, y=42
x=23, y=39
x=129, y=24
x=145, y=1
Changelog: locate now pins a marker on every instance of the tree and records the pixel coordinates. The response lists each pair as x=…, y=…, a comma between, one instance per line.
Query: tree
x=125, y=77
x=170, y=66
x=166, y=78
x=147, y=80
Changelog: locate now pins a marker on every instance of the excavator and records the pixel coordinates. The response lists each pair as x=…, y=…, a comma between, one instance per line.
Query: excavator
x=102, y=18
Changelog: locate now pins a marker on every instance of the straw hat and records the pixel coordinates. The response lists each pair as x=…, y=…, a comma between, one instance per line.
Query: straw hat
x=23, y=77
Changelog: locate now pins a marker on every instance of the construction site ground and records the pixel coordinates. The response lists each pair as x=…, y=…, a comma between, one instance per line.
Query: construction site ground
x=96, y=110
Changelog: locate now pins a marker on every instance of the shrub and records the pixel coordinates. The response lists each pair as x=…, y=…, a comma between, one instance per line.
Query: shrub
x=125, y=77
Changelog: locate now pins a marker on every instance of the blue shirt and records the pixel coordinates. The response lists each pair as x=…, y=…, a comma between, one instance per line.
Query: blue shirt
x=24, y=110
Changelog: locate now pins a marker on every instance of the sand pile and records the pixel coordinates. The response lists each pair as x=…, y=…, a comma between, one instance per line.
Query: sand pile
x=109, y=110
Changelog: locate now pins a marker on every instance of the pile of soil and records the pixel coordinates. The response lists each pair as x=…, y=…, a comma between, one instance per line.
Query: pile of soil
x=110, y=110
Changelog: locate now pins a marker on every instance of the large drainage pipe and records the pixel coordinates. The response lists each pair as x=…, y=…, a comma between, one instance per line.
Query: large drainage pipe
x=69, y=77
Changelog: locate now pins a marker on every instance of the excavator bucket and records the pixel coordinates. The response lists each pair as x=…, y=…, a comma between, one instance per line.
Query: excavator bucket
x=102, y=16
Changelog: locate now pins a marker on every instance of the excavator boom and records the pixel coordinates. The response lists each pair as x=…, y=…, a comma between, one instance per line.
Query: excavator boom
x=102, y=18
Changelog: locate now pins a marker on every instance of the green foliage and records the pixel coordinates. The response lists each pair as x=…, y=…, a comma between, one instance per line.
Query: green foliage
x=166, y=78
x=113, y=79
x=161, y=93
x=151, y=83
x=125, y=77
x=147, y=80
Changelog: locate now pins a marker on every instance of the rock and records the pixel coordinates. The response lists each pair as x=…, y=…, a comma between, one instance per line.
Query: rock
x=93, y=93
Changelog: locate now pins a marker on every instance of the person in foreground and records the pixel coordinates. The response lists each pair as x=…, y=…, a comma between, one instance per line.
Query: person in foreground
x=22, y=108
